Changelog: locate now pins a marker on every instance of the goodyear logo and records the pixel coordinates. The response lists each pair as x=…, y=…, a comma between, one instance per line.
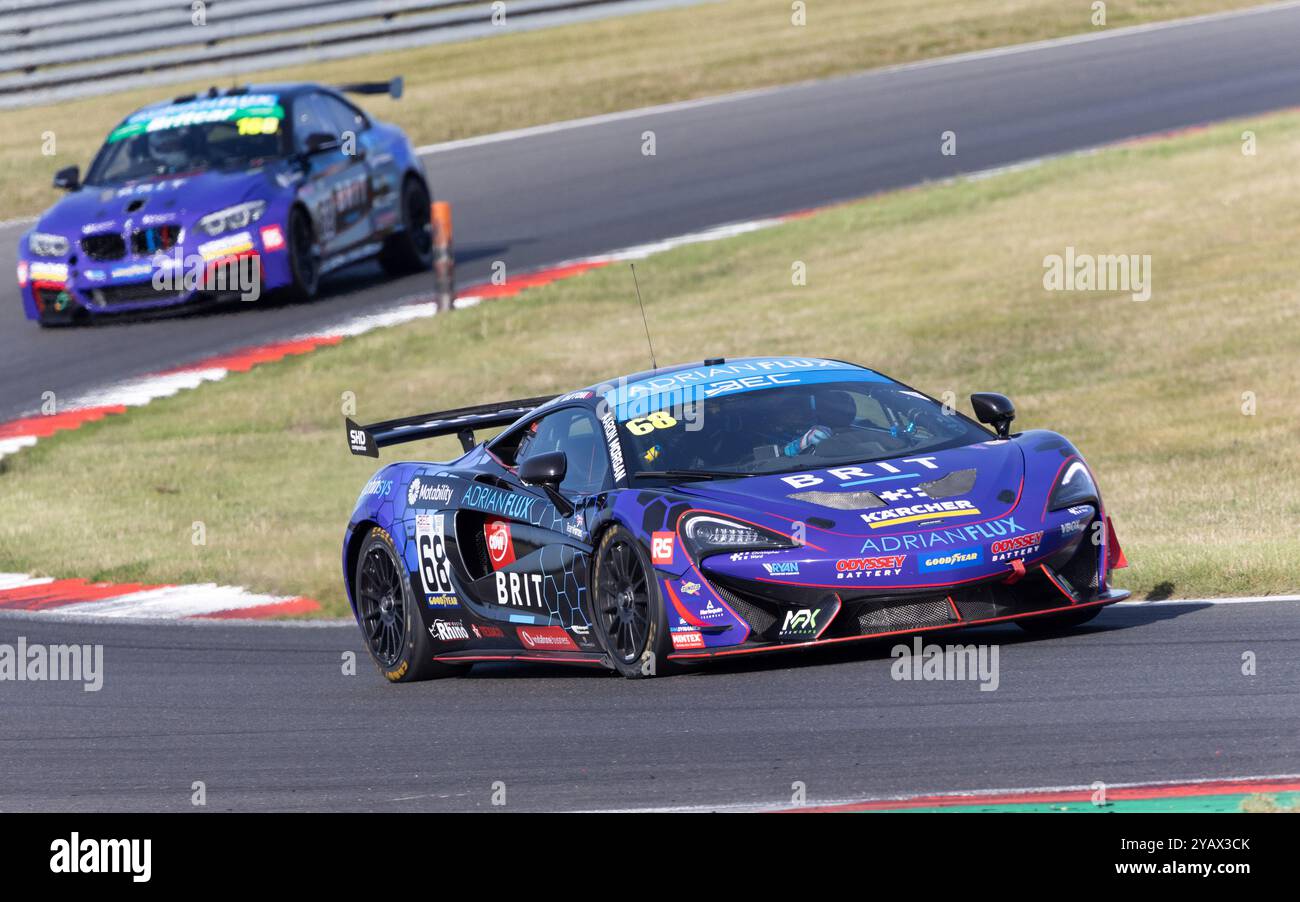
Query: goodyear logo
x=951, y=560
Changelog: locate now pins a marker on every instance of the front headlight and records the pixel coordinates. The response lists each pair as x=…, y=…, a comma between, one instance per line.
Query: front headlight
x=707, y=534
x=1074, y=487
x=43, y=244
x=237, y=217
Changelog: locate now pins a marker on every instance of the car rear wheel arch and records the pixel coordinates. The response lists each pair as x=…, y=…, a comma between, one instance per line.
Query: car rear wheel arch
x=352, y=557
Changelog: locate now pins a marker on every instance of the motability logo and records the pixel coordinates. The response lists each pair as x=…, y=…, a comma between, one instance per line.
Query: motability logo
x=418, y=491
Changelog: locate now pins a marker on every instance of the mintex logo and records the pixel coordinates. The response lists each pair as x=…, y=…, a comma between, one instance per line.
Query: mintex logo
x=687, y=639
x=951, y=560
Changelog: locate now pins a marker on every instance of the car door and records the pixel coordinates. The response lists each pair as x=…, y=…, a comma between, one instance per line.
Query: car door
x=337, y=185
x=381, y=166
x=538, y=553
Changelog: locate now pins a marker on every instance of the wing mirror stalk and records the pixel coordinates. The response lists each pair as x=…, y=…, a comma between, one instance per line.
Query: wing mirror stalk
x=994, y=410
x=546, y=472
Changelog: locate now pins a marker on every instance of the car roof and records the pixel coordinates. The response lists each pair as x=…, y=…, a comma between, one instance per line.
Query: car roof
x=712, y=363
x=285, y=90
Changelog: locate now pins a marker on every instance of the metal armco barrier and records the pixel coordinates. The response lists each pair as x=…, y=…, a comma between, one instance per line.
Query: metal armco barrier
x=53, y=49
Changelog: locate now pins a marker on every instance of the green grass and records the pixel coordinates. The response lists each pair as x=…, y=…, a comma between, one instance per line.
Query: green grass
x=477, y=87
x=940, y=286
x=1260, y=803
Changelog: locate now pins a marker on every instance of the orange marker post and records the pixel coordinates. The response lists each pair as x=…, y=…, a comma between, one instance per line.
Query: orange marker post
x=444, y=261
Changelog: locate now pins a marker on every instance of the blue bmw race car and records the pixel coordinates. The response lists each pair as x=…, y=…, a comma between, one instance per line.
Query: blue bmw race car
x=240, y=192
x=723, y=508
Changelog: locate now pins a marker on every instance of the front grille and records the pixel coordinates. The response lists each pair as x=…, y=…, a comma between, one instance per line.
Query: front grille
x=139, y=292
x=154, y=240
x=983, y=602
x=109, y=246
x=760, y=620
x=889, y=614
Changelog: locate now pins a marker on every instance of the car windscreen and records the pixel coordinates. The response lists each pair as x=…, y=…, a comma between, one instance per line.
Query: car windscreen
x=208, y=133
x=784, y=428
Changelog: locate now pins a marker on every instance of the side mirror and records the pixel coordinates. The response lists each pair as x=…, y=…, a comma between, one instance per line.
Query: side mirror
x=547, y=471
x=321, y=141
x=69, y=178
x=544, y=469
x=994, y=410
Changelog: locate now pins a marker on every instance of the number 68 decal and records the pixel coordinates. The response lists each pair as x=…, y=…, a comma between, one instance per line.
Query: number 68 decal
x=660, y=419
x=431, y=541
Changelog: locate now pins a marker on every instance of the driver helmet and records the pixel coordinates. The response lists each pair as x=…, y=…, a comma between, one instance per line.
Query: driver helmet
x=169, y=147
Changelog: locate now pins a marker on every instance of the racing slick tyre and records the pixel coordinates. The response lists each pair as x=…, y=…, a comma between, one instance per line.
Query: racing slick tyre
x=1052, y=624
x=304, y=260
x=411, y=249
x=631, y=624
x=389, y=617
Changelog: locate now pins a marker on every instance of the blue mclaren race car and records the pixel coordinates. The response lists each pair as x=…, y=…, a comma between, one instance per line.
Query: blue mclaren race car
x=244, y=192
x=723, y=508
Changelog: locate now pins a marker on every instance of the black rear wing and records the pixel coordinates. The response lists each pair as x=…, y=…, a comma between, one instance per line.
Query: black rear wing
x=461, y=422
x=392, y=87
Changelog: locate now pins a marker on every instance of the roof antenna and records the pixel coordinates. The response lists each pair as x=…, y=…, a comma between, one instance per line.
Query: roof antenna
x=653, y=364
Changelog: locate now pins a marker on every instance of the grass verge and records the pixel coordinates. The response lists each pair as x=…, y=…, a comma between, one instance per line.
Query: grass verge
x=478, y=87
x=1187, y=405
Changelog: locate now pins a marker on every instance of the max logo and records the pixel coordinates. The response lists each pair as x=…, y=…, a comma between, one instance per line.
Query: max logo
x=801, y=621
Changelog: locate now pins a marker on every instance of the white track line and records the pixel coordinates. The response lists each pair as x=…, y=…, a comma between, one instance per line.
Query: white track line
x=138, y=392
x=155, y=603
x=172, y=603
x=21, y=581
x=1250, y=599
x=973, y=794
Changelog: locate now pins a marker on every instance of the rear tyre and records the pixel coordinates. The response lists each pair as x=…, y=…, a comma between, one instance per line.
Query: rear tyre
x=411, y=249
x=1053, y=624
x=389, y=615
x=631, y=623
x=304, y=259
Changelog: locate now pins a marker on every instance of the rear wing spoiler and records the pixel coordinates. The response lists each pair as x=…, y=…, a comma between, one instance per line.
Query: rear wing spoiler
x=392, y=87
x=461, y=422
